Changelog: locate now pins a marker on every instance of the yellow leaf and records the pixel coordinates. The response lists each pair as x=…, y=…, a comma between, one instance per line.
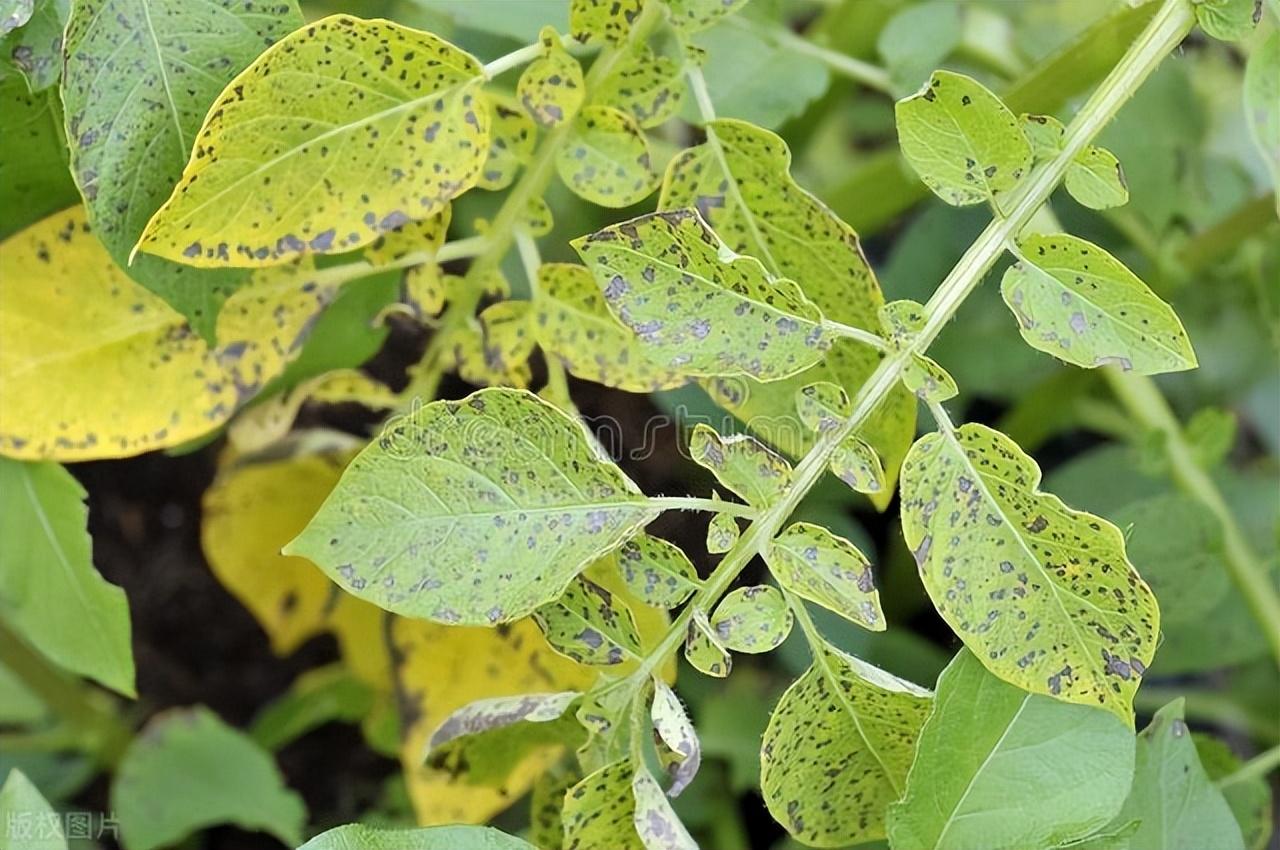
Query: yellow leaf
x=95, y=366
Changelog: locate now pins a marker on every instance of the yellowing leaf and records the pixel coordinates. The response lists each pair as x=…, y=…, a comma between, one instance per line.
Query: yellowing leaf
x=270, y=420
x=589, y=625
x=512, y=137
x=815, y=564
x=594, y=21
x=1042, y=594
x=95, y=366
x=703, y=650
x=552, y=89
x=690, y=16
x=606, y=158
x=388, y=132
x=424, y=287
x=648, y=86
x=742, y=463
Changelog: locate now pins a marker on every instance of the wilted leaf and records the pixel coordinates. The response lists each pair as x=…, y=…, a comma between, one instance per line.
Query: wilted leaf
x=742, y=463
x=366, y=150
x=1042, y=594
x=606, y=158
x=811, y=562
x=677, y=741
x=656, y=572
x=752, y=619
x=838, y=748
x=551, y=88
x=1001, y=769
x=1077, y=302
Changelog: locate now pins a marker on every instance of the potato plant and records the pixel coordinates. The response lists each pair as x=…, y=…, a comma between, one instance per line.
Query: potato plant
x=931, y=572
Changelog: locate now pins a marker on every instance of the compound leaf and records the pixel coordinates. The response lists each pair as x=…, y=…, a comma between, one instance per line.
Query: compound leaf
x=656, y=572
x=388, y=132
x=588, y=624
x=742, y=463
x=668, y=278
x=678, y=747
x=1077, y=302
x=1001, y=769
x=551, y=88
x=606, y=158
x=49, y=590
x=962, y=140
x=428, y=838
x=1042, y=594
x=838, y=748
x=814, y=564
x=432, y=518
x=752, y=619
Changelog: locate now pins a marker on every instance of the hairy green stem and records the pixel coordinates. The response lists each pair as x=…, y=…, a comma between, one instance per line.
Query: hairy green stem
x=1165, y=31
x=1144, y=402
x=691, y=503
x=1255, y=768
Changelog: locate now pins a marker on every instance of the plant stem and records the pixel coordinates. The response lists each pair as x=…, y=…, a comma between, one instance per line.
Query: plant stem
x=871, y=76
x=1255, y=768
x=1166, y=30
x=513, y=59
x=850, y=332
x=692, y=503
x=1142, y=399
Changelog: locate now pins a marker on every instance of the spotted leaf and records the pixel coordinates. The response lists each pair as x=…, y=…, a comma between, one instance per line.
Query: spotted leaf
x=1228, y=20
x=537, y=219
x=572, y=322
x=600, y=811
x=468, y=352
x=857, y=464
x=388, y=133
x=814, y=564
x=432, y=519
x=928, y=380
x=679, y=750
x=606, y=158
x=901, y=321
x=742, y=463
x=837, y=749
x=1094, y=178
x=15, y=13
x=655, y=821
x=722, y=533
x=962, y=140
x=589, y=625
x=512, y=137
x=596, y=21
x=702, y=648
x=698, y=308
x=690, y=16
x=1001, y=769
x=648, y=86
x=752, y=619
x=424, y=288
x=823, y=406
x=95, y=366
x=551, y=88
x=508, y=340
x=1042, y=594
x=656, y=572
x=488, y=739
x=31, y=40
x=270, y=420
x=1077, y=302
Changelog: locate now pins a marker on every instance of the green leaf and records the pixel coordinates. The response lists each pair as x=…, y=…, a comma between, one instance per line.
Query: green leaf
x=918, y=38
x=657, y=572
x=282, y=176
x=34, y=44
x=546, y=830
x=1262, y=104
x=1077, y=302
x=358, y=835
x=722, y=533
x=317, y=697
x=679, y=750
x=606, y=158
x=742, y=463
x=1045, y=133
x=814, y=564
x=140, y=77
x=1042, y=594
x=34, y=176
x=703, y=650
x=823, y=406
x=689, y=16
x=189, y=770
x=857, y=464
x=752, y=619
x=600, y=811
x=1001, y=769
x=647, y=86
x=30, y=823
x=962, y=140
x=517, y=19
x=1249, y=799
x=655, y=821
x=1096, y=180
x=572, y=322
x=838, y=748
x=49, y=591
x=589, y=625
x=487, y=740
x=929, y=381
x=1179, y=808
x=430, y=520
x=596, y=21
x=705, y=312
x=512, y=137
x=551, y=88
x=1228, y=20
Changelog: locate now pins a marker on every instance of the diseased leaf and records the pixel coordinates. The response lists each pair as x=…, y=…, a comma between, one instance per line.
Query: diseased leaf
x=962, y=140
x=1249, y=799
x=487, y=740
x=689, y=16
x=606, y=159
x=742, y=463
x=814, y=564
x=606, y=711
x=551, y=88
x=657, y=572
x=49, y=591
x=857, y=464
x=358, y=835
x=189, y=770
x=32, y=40
x=655, y=821
x=752, y=619
x=1043, y=595
x=508, y=338
x=722, y=533
x=365, y=152
x=425, y=285
x=95, y=366
x=572, y=322
x=14, y=13
x=648, y=86
x=600, y=811
x=702, y=311
x=35, y=179
x=929, y=381
x=1001, y=769
x=467, y=352
x=838, y=748
x=703, y=650
x=24, y=809
x=512, y=137
x=432, y=518
x=823, y=406
x=1045, y=133
x=140, y=77
x=537, y=219
x=269, y=421
x=546, y=829
x=1077, y=302
x=1172, y=797
x=596, y=21
x=677, y=741
x=1096, y=180
x=589, y=625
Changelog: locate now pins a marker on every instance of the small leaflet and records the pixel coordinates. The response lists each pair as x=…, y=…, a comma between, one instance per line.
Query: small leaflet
x=1077, y=302
x=648, y=86
x=822, y=567
x=424, y=288
x=551, y=88
x=606, y=159
x=1094, y=178
x=1228, y=20
x=962, y=140
x=655, y=821
x=690, y=16
x=858, y=465
x=508, y=335
x=929, y=381
x=703, y=650
x=722, y=533
x=752, y=619
x=465, y=351
x=512, y=136
x=823, y=406
x=657, y=572
x=537, y=219
x=679, y=750
x=742, y=463
x=589, y=625
x=596, y=21
x=901, y=321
